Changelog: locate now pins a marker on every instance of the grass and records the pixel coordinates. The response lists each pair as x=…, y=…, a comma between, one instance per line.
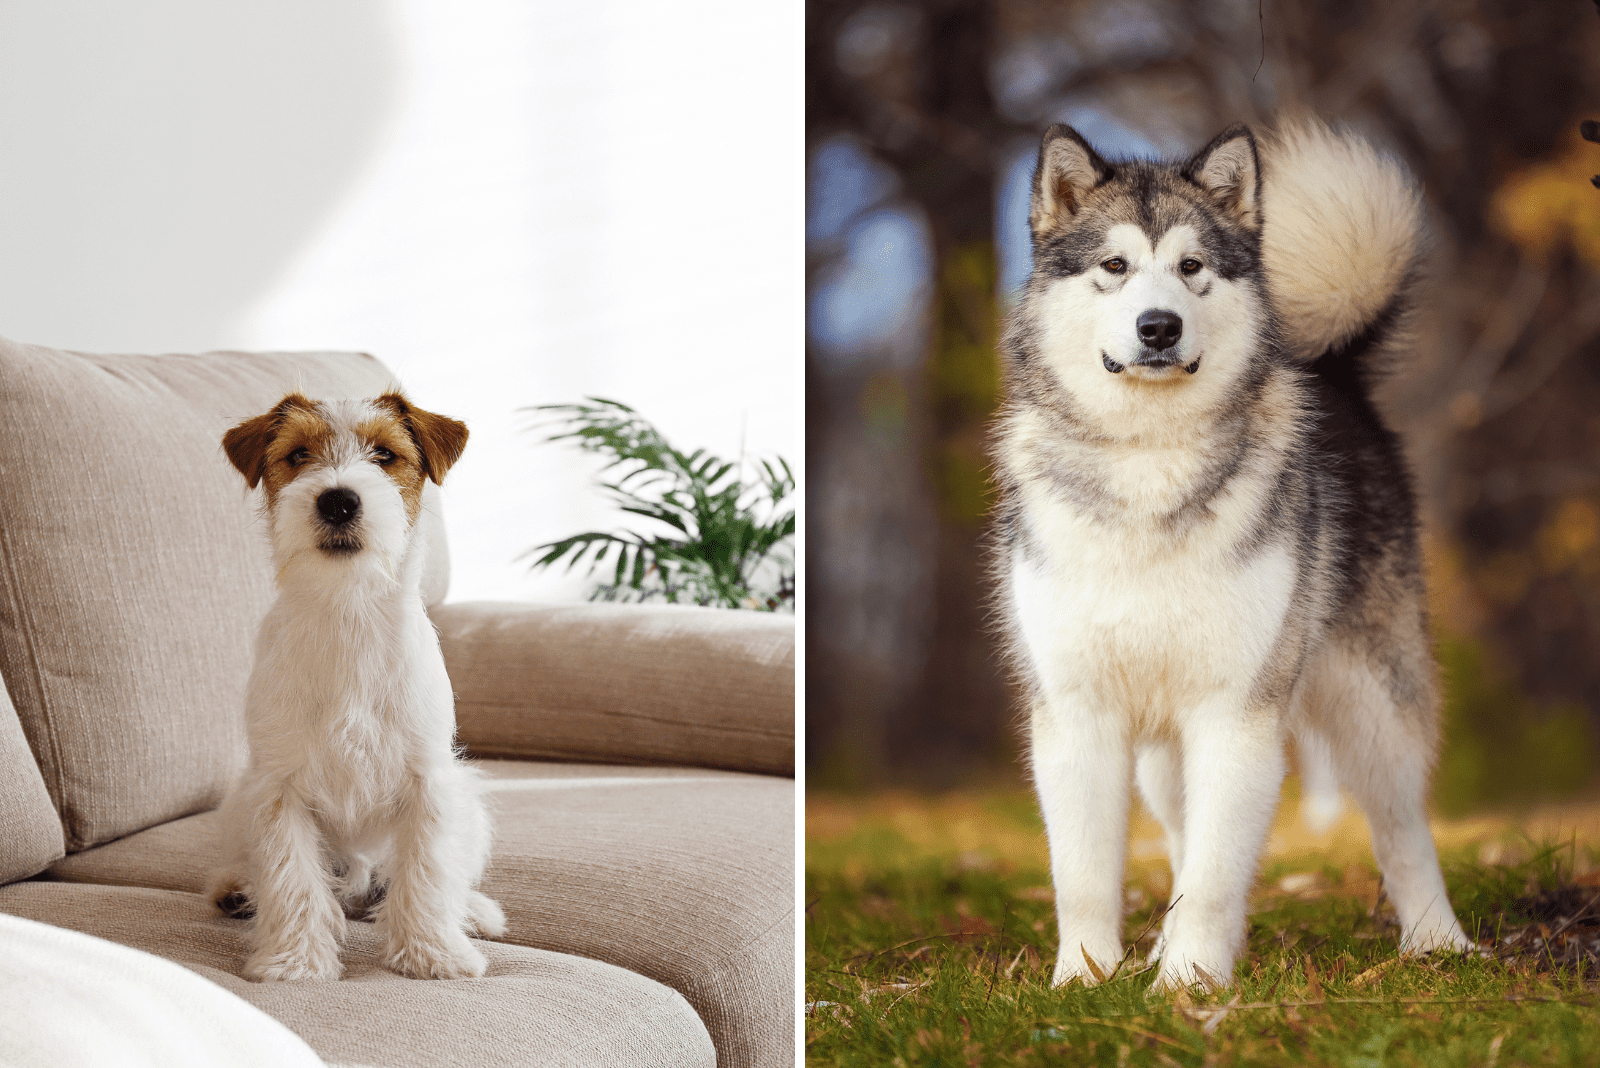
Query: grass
x=930, y=935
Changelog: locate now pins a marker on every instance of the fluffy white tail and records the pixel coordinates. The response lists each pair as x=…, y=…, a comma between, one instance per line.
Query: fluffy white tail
x=1343, y=231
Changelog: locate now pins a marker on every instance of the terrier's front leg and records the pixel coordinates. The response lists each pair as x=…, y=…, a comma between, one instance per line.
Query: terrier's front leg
x=1233, y=768
x=425, y=912
x=298, y=922
x=1083, y=767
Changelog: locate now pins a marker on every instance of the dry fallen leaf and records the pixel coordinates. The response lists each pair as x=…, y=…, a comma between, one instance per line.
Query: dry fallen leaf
x=1313, y=984
x=1375, y=973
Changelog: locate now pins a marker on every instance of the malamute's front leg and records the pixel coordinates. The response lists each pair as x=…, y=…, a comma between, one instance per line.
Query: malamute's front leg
x=1083, y=767
x=1233, y=767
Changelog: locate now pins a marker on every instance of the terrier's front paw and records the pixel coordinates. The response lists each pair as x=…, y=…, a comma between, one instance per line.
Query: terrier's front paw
x=449, y=958
x=314, y=962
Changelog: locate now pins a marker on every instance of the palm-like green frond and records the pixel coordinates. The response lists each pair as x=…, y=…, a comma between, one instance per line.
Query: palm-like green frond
x=719, y=530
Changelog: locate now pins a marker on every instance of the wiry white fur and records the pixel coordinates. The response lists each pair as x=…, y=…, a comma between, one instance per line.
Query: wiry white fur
x=1343, y=228
x=351, y=721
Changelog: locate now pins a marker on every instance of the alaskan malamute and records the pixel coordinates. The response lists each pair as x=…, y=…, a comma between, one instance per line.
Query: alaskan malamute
x=1207, y=537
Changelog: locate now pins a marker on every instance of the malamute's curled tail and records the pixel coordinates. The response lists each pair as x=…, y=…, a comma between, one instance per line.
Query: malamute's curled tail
x=1342, y=237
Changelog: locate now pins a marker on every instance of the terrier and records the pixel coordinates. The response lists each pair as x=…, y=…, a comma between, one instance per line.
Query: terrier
x=354, y=798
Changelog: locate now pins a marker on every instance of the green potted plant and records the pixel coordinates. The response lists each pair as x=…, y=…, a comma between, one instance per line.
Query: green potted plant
x=722, y=541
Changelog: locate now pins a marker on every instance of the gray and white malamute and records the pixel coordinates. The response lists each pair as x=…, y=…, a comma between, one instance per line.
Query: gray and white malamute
x=1207, y=537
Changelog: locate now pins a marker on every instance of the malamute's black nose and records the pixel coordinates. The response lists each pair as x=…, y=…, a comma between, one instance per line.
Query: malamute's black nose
x=339, y=506
x=1160, y=329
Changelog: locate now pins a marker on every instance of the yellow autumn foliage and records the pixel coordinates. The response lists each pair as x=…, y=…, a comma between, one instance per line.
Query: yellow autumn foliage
x=1553, y=202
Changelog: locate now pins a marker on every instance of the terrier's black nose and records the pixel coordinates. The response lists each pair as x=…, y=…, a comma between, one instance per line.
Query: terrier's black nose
x=1160, y=329
x=339, y=506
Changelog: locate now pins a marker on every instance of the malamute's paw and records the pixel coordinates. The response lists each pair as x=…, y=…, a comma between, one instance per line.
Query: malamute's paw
x=1211, y=968
x=452, y=957
x=484, y=915
x=1075, y=962
x=306, y=962
x=1436, y=937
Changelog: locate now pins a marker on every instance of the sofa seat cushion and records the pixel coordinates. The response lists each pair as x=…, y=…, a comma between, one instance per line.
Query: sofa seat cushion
x=532, y=1007
x=134, y=569
x=683, y=875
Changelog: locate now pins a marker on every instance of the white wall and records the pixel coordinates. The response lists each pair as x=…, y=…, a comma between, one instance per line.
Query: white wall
x=509, y=202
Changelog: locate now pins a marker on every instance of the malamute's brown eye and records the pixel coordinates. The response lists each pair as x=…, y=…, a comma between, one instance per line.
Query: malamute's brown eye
x=1115, y=265
x=297, y=457
x=1190, y=265
x=383, y=455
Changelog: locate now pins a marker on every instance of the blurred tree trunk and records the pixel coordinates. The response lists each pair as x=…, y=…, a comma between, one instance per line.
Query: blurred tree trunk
x=959, y=712
x=932, y=119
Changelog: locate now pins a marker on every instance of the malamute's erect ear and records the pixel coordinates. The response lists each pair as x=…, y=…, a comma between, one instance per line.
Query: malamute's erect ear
x=1068, y=168
x=1229, y=169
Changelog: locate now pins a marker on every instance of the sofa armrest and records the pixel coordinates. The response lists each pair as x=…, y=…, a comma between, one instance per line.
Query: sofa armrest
x=644, y=684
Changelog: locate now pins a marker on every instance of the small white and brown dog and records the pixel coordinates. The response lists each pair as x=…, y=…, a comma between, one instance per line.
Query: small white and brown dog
x=354, y=797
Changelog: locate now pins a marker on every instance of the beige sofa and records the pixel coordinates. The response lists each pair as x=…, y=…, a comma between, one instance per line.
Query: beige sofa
x=641, y=757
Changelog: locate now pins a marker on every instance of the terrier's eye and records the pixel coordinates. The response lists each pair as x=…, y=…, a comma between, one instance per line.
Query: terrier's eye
x=382, y=455
x=297, y=457
x=1190, y=265
x=1115, y=265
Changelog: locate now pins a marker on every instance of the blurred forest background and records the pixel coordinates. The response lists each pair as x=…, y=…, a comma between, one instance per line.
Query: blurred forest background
x=923, y=120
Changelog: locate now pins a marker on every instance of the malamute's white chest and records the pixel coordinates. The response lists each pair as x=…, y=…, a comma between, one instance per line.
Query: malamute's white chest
x=1128, y=618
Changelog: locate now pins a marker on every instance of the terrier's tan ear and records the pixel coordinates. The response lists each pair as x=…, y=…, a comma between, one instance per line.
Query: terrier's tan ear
x=1068, y=169
x=246, y=444
x=1229, y=168
x=439, y=438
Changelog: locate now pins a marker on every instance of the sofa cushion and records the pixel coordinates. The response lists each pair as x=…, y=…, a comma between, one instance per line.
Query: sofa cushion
x=683, y=875
x=30, y=831
x=532, y=1007
x=657, y=684
x=133, y=569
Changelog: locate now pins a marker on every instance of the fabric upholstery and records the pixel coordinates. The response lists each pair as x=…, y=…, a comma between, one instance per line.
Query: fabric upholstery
x=680, y=874
x=658, y=684
x=134, y=570
x=72, y=998
x=30, y=831
x=532, y=1008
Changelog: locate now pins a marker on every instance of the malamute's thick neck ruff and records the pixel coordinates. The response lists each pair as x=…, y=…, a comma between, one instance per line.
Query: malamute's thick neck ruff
x=1206, y=540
